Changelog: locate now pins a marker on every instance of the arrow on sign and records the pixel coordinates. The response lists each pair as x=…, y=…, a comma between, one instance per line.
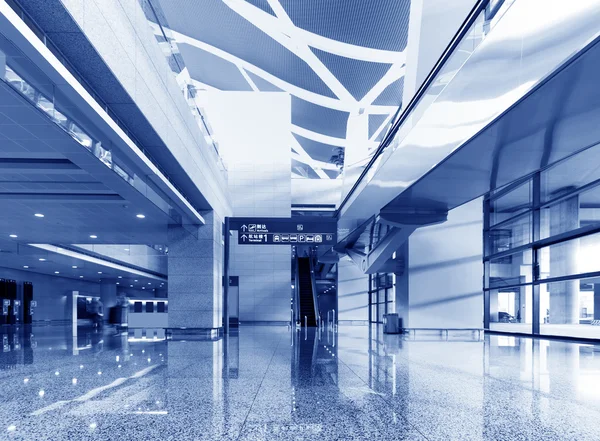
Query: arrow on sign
x=244, y=227
x=244, y=237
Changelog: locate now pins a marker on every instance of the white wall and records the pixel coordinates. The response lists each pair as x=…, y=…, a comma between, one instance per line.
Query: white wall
x=253, y=131
x=316, y=191
x=353, y=292
x=432, y=25
x=50, y=292
x=265, y=281
x=445, y=272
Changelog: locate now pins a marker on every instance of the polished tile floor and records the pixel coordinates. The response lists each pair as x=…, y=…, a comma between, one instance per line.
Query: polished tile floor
x=269, y=383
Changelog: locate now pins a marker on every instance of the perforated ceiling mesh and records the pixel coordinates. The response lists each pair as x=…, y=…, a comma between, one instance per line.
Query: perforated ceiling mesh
x=378, y=24
x=326, y=81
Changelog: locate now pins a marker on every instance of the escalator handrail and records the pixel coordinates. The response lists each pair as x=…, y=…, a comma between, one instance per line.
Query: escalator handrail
x=314, y=289
x=297, y=291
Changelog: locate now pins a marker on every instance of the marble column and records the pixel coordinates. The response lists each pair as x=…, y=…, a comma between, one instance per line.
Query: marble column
x=195, y=276
x=564, y=296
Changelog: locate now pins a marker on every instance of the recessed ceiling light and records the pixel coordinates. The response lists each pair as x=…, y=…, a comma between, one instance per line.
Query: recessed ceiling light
x=149, y=283
x=93, y=236
x=120, y=277
x=126, y=249
x=14, y=236
x=74, y=267
x=38, y=215
x=42, y=259
x=25, y=266
x=56, y=272
x=118, y=283
x=135, y=280
x=140, y=216
x=131, y=286
x=99, y=272
x=81, y=277
x=143, y=287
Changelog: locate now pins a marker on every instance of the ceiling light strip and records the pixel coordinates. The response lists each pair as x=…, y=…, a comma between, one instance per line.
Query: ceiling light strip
x=95, y=260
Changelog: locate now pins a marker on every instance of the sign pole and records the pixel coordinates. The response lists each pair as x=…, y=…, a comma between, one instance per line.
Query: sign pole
x=226, y=277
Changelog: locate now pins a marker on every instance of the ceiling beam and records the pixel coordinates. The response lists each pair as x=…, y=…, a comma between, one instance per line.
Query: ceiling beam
x=248, y=79
x=307, y=159
x=304, y=94
x=383, y=125
x=326, y=139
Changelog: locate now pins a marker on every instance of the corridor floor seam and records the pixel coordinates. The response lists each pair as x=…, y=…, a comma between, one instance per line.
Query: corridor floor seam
x=259, y=389
x=382, y=397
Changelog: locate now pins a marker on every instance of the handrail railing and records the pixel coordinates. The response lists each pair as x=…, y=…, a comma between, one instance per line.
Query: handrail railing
x=405, y=113
x=180, y=67
x=297, y=293
x=314, y=289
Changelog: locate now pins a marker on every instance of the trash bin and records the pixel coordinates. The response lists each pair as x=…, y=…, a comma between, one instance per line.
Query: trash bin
x=391, y=324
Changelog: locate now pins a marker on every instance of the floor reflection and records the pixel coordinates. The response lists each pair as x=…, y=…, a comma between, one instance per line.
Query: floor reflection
x=314, y=360
x=271, y=383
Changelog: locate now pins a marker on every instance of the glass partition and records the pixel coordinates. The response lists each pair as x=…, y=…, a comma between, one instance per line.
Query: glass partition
x=511, y=203
x=550, y=284
x=511, y=270
x=511, y=309
x=509, y=234
x=574, y=173
x=381, y=296
x=571, y=257
x=571, y=308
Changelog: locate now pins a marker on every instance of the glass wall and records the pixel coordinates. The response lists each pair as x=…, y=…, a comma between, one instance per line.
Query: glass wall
x=381, y=296
x=542, y=251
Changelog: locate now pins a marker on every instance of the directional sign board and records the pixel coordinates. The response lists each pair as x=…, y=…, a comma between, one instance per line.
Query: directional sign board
x=285, y=231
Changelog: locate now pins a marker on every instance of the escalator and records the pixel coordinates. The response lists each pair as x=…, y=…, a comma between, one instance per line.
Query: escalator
x=306, y=294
